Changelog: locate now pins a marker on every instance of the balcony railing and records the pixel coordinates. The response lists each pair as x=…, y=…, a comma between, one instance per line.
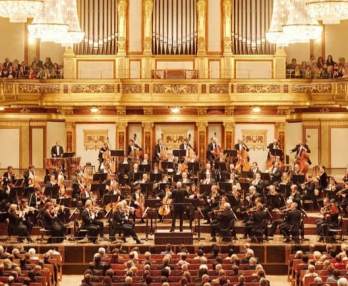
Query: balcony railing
x=154, y=92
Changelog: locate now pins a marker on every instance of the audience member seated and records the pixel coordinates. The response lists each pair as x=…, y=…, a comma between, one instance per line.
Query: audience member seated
x=37, y=70
x=317, y=69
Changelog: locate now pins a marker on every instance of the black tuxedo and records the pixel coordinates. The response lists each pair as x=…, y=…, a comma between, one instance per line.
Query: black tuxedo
x=8, y=178
x=240, y=147
x=130, y=149
x=178, y=196
x=57, y=151
x=298, y=147
x=211, y=147
x=291, y=224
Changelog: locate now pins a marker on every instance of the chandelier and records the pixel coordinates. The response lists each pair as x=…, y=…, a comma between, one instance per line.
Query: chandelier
x=300, y=26
x=49, y=25
x=74, y=35
x=275, y=34
x=328, y=11
x=20, y=10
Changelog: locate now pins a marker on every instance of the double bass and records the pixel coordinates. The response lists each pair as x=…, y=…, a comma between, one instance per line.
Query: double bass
x=302, y=159
x=243, y=163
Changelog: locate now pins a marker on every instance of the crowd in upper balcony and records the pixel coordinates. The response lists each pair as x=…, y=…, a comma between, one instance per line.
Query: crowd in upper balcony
x=38, y=69
x=317, y=68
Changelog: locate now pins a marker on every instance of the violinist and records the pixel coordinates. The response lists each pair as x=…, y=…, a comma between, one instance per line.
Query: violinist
x=275, y=173
x=258, y=183
x=291, y=224
x=255, y=168
x=212, y=202
x=255, y=227
x=29, y=174
x=113, y=193
x=233, y=179
x=29, y=214
x=323, y=178
x=284, y=185
x=223, y=220
x=90, y=222
x=185, y=178
x=274, y=199
x=52, y=223
x=330, y=213
x=17, y=225
x=310, y=191
x=331, y=189
x=52, y=188
x=119, y=221
x=295, y=196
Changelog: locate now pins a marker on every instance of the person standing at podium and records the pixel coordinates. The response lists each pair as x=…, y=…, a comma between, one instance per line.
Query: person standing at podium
x=178, y=198
x=57, y=151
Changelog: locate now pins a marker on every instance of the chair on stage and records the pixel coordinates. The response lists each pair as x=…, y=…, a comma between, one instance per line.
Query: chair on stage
x=228, y=233
x=336, y=231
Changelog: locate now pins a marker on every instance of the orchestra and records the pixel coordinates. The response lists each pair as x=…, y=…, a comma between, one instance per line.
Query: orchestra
x=224, y=190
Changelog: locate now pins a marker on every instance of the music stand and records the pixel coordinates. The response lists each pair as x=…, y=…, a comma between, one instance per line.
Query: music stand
x=205, y=188
x=147, y=190
x=179, y=153
x=226, y=187
x=248, y=174
x=52, y=192
x=193, y=167
x=276, y=152
x=221, y=166
x=138, y=176
x=265, y=176
x=177, y=178
x=109, y=198
x=144, y=168
x=99, y=177
x=98, y=187
x=230, y=153
x=68, y=154
x=298, y=179
x=117, y=153
x=155, y=177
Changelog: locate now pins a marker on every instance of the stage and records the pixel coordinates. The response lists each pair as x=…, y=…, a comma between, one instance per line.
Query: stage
x=273, y=254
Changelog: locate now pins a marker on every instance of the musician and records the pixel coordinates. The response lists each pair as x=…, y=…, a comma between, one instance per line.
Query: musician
x=274, y=199
x=178, y=196
x=185, y=178
x=212, y=202
x=323, y=178
x=223, y=220
x=273, y=146
x=8, y=178
x=258, y=183
x=240, y=146
x=295, y=196
x=57, y=151
x=159, y=149
x=146, y=160
x=29, y=174
x=138, y=201
x=291, y=224
x=275, y=173
x=52, y=223
x=112, y=192
x=255, y=227
x=207, y=172
x=330, y=214
x=299, y=148
x=212, y=150
x=309, y=191
x=132, y=147
x=90, y=222
x=119, y=221
x=16, y=225
x=254, y=168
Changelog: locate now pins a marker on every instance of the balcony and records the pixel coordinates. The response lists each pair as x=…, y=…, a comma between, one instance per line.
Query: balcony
x=164, y=92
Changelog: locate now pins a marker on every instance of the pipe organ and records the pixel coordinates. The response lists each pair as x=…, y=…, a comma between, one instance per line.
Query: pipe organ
x=250, y=20
x=174, y=27
x=98, y=19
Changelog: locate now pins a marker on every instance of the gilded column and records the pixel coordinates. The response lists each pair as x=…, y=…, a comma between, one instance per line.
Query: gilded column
x=147, y=32
x=228, y=61
x=70, y=136
x=24, y=145
x=325, y=158
x=121, y=131
x=202, y=141
x=147, y=131
x=122, y=35
x=229, y=135
x=279, y=64
x=148, y=7
x=201, y=33
x=70, y=70
x=280, y=134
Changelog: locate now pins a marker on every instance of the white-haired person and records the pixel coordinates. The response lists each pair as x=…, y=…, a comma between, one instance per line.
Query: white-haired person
x=223, y=221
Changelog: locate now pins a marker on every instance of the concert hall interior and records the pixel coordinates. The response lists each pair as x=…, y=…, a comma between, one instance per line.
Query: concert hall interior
x=173, y=142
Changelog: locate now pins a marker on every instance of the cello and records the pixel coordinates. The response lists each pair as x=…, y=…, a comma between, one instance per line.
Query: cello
x=303, y=159
x=243, y=164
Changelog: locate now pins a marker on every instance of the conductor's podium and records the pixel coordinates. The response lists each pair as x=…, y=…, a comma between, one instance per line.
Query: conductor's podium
x=163, y=237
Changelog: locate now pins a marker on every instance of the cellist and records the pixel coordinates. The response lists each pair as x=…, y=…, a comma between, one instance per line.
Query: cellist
x=243, y=156
x=302, y=158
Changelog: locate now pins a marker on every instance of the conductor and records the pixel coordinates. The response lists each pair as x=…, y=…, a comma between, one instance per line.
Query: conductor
x=57, y=151
x=178, y=197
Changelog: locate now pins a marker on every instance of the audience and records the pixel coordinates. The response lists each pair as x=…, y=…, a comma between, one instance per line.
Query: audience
x=180, y=269
x=37, y=70
x=317, y=69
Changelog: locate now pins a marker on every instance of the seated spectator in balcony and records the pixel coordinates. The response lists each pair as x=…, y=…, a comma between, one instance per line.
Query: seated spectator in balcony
x=291, y=67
